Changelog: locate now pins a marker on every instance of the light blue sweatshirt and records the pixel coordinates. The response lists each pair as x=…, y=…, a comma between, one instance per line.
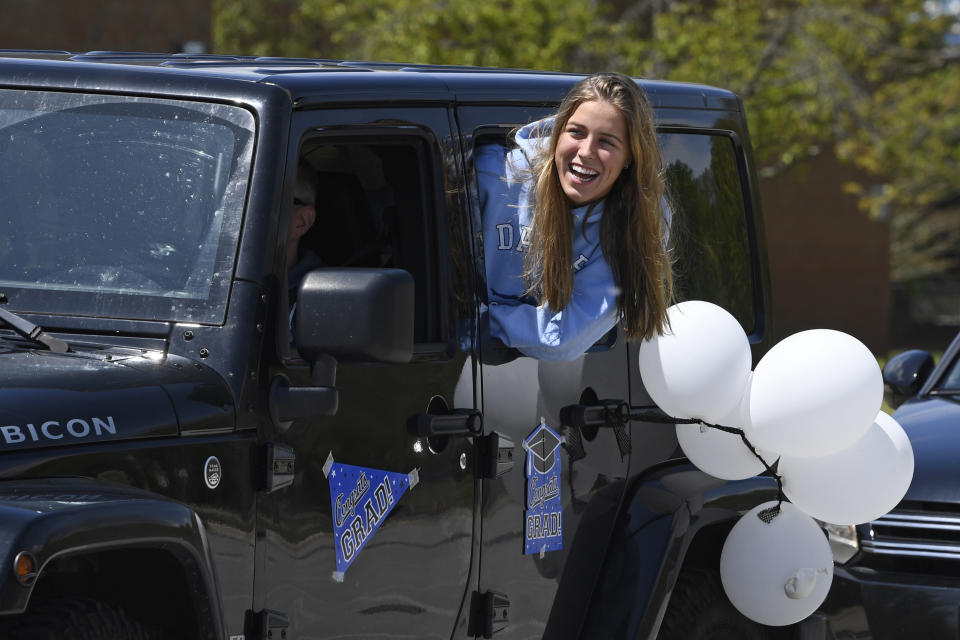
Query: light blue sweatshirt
x=506, y=186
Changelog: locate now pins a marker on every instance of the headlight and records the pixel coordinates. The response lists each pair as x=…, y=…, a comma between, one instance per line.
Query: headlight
x=843, y=540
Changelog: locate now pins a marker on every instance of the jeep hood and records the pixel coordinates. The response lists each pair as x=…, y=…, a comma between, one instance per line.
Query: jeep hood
x=56, y=399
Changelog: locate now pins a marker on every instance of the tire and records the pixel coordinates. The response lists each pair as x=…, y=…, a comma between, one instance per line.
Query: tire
x=699, y=610
x=74, y=619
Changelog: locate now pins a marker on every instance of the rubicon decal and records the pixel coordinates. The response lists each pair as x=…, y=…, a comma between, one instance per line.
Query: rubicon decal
x=54, y=430
x=543, y=517
x=361, y=499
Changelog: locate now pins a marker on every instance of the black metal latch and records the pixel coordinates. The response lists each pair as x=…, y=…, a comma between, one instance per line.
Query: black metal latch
x=489, y=613
x=495, y=455
x=265, y=625
x=279, y=466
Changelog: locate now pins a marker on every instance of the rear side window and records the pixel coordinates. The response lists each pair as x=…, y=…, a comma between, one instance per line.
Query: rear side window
x=709, y=222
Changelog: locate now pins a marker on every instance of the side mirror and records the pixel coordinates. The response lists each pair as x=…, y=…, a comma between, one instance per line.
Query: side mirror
x=350, y=315
x=905, y=374
x=355, y=315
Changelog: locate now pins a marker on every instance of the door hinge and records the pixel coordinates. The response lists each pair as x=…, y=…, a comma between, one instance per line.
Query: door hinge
x=265, y=625
x=495, y=455
x=279, y=466
x=489, y=613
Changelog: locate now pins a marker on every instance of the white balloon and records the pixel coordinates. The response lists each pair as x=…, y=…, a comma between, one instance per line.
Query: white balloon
x=776, y=573
x=698, y=367
x=814, y=393
x=857, y=484
x=719, y=453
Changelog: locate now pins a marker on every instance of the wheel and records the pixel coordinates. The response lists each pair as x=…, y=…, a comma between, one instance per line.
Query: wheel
x=699, y=610
x=74, y=619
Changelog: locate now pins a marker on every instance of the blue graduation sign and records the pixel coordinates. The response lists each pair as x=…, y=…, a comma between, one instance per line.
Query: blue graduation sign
x=361, y=499
x=543, y=526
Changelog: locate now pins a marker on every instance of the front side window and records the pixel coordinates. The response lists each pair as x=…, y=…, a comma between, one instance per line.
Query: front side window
x=373, y=208
x=120, y=207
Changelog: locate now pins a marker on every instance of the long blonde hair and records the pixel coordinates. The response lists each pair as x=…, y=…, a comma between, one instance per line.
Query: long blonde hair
x=632, y=226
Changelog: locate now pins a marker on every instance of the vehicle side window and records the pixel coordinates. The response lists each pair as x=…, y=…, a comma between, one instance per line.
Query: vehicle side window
x=373, y=209
x=709, y=223
x=951, y=381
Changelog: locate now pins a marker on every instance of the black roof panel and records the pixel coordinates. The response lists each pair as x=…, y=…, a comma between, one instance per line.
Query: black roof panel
x=320, y=81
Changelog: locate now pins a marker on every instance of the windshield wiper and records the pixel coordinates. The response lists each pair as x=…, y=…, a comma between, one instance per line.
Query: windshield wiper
x=30, y=331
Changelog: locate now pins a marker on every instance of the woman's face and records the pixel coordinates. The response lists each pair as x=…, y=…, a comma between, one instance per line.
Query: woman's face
x=592, y=150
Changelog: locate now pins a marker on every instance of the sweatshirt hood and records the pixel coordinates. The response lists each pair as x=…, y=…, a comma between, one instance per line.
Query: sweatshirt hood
x=533, y=139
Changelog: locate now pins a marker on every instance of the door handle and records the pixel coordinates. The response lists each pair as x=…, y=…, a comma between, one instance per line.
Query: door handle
x=602, y=413
x=462, y=423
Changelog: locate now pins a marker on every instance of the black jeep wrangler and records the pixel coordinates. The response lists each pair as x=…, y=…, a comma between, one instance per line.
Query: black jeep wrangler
x=189, y=449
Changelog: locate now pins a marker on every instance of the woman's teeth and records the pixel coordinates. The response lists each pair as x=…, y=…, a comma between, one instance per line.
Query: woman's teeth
x=583, y=173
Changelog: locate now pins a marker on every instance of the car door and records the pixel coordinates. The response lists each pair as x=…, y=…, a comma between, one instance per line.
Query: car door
x=403, y=566
x=546, y=520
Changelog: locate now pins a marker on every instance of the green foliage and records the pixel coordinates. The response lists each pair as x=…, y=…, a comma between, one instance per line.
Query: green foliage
x=538, y=34
x=871, y=78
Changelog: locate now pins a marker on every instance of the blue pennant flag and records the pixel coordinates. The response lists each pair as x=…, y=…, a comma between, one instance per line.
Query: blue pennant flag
x=543, y=517
x=361, y=499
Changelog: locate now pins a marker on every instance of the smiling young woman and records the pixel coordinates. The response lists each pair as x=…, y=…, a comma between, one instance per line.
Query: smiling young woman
x=583, y=197
x=591, y=152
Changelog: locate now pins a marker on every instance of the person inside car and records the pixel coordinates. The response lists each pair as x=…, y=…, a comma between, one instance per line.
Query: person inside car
x=300, y=259
x=574, y=224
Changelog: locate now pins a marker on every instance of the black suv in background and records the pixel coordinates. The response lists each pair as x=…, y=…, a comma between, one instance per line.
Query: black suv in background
x=898, y=577
x=171, y=464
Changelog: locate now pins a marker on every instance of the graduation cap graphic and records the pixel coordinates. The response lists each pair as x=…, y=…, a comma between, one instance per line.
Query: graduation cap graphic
x=543, y=516
x=541, y=447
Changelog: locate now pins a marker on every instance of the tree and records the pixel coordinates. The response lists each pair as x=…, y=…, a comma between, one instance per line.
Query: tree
x=538, y=34
x=873, y=79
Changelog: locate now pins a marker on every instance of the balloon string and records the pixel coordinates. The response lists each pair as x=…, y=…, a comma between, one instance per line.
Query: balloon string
x=767, y=515
x=658, y=416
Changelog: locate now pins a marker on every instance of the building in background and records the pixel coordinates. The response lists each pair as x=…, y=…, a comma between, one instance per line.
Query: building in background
x=172, y=26
x=829, y=262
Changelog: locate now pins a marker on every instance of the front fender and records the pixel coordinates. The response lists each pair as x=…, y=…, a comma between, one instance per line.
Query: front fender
x=54, y=518
x=664, y=510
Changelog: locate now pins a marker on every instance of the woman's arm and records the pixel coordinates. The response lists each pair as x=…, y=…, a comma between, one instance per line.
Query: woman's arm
x=543, y=333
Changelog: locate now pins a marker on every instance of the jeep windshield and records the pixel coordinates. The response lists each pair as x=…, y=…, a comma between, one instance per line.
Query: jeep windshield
x=120, y=207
